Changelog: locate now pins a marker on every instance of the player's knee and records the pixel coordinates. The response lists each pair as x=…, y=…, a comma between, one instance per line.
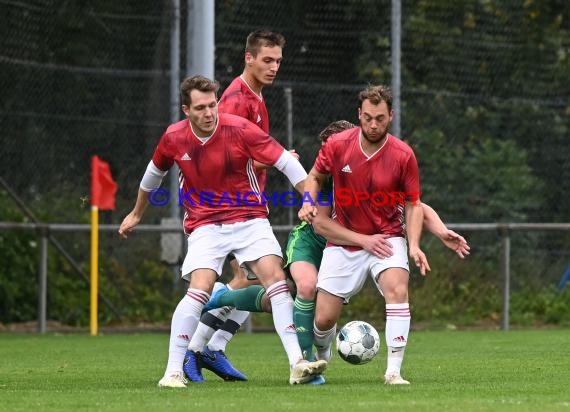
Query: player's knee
x=324, y=321
x=306, y=289
x=397, y=293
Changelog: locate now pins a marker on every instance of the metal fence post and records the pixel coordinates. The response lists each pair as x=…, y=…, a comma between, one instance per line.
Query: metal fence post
x=43, y=232
x=288, y=91
x=506, y=271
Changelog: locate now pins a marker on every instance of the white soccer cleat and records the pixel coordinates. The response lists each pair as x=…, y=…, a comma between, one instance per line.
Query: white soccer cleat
x=176, y=380
x=304, y=371
x=395, y=379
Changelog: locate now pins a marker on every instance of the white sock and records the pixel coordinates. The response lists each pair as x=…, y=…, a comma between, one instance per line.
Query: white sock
x=323, y=341
x=184, y=321
x=397, y=329
x=282, y=304
x=209, y=323
x=228, y=330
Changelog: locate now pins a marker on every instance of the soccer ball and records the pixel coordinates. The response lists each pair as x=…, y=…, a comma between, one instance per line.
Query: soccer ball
x=357, y=342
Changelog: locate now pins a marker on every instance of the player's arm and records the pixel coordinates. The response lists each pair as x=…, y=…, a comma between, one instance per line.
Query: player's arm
x=290, y=167
x=377, y=244
x=261, y=166
x=451, y=239
x=414, y=223
x=152, y=179
x=313, y=185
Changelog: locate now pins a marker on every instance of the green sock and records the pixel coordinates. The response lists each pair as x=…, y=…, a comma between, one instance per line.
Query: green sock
x=248, y=299
x=304, y=316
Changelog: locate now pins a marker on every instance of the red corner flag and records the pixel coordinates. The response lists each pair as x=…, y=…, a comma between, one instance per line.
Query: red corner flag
x=103, y=187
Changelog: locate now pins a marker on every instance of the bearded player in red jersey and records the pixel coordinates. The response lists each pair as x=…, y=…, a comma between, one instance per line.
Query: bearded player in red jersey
x=214, y=153
x=369, y=160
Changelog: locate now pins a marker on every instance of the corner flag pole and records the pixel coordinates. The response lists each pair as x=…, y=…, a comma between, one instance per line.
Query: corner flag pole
x=93, y=324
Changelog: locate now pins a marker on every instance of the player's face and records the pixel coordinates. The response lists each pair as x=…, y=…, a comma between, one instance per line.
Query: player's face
x=202, y=112
x=375, y=120
x=265, y=65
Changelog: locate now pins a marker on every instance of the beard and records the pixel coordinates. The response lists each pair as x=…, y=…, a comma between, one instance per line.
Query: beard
x=376, y=137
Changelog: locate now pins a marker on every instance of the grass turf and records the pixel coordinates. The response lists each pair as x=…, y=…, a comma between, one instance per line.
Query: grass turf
x=449, y=370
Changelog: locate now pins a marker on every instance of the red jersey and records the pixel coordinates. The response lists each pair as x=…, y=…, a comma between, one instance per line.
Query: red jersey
x=370, y=190
x=218, y=184
x=239, y=99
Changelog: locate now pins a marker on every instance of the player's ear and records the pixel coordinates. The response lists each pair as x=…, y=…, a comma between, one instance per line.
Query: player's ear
x=186, y=110
x=248, y=58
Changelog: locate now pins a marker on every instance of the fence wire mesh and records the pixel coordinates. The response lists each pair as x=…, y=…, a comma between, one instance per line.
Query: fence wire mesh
x=485, y=104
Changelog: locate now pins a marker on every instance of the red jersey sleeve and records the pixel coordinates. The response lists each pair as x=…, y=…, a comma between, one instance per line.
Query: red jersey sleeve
x=163, y=156
x=323, y=162
x=260, y=145
x=411, y=179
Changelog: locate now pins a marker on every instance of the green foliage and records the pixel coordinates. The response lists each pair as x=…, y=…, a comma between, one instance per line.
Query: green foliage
x=533, y=306
x=18, y=268
x=485, y=178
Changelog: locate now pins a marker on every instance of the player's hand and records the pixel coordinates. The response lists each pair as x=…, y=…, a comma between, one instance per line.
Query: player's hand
x=129, y=222
x=307, y=212
x=420, y=260
x=294, y=153
x=456, y=242
x=377, y=244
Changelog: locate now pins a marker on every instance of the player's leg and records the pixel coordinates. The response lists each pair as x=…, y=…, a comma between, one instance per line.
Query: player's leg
x=204, y=260
x=327, y=312
x=392, y=282
x=341, y=275
x=184, y=321
x=304, y=275
x=251, y=298
x=212, y=354
x=304, y=254
x=268, y=269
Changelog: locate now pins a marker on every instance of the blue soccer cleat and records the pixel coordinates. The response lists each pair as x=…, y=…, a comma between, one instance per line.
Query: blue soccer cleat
x=317, y=380
x=192, y=368
x=217, y=362
x=213, y=302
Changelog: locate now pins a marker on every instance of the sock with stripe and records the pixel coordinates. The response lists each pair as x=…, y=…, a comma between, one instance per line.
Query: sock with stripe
x=304, y=316
x=398, y=319
x=184, y=322
x=282, y=304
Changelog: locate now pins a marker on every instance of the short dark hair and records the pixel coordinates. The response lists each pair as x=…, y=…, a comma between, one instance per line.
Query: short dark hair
x=335, y=127
x=263, y=38
x=200, y=83
x=376, y=94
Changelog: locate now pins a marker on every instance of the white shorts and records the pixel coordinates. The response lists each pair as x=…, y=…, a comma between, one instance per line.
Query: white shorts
x=343, y=272
x=209, y=245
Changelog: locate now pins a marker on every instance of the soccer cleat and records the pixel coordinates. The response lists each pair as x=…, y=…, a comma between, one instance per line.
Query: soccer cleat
x=217, y=362
x=213, y=302
x=304, y=371
x=176, y=380
x=192, y=368
x=317, y=380
x=394, y=378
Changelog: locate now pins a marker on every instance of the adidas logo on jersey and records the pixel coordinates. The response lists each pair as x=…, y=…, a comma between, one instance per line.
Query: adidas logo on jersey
x=186, y=157
x=346, y=169
x=258, y=118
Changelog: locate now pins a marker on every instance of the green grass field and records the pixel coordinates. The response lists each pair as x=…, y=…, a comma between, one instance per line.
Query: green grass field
x=449, y=371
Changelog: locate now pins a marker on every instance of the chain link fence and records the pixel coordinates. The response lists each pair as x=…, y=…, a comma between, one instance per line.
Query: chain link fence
x=485, y=104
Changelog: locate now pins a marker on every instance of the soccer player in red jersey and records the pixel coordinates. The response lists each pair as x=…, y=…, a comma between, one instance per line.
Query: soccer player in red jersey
x=223, y=214
x=369, y=160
